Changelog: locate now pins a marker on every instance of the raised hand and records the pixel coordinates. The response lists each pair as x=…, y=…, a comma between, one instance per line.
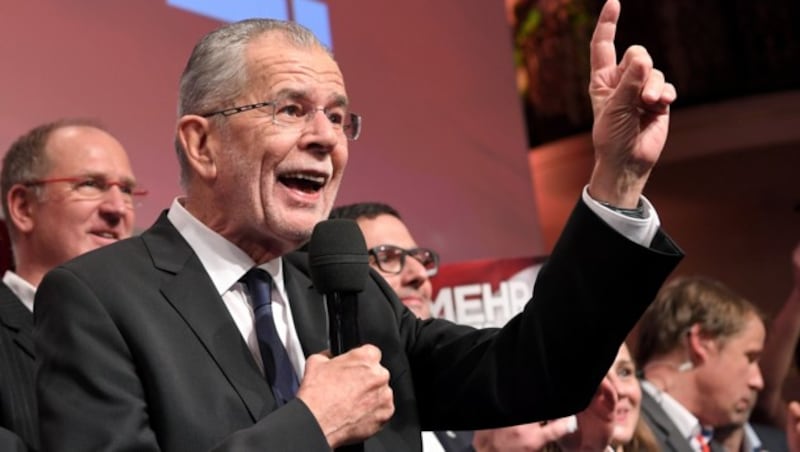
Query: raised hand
x=349, y=395
x=796, y=266
x=631, y=103
x=793, y=427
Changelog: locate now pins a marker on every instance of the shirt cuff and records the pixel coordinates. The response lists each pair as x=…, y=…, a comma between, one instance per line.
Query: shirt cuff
x=639, y=230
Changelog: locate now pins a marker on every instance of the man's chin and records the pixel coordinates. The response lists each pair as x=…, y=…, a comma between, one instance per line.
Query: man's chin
x=419, y=311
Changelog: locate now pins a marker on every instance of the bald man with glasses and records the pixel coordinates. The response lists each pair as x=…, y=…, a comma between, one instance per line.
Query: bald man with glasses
x=67, y=189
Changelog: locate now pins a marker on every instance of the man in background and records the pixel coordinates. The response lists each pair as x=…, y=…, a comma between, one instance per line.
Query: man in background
x=390, y=244
x=699, y=346
x=407, y=268
x=67, y=188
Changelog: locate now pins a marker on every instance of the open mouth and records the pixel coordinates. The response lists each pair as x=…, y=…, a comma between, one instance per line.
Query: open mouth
x=304, y=182
x=106, y=234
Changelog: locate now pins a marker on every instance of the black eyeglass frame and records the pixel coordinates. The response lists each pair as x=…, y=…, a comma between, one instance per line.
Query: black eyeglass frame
x=414, y=253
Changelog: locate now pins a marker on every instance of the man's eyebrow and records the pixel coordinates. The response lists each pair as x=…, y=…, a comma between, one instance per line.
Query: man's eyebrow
x=338, y=100
x=292, y=93
x=96, y=175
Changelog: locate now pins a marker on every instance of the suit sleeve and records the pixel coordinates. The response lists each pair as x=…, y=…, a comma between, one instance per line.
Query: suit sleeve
x=88, y=390
x=548, y=360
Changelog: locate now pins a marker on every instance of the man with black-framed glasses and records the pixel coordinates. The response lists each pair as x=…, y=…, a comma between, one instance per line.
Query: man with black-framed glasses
x=67, y=188
x=394, y=253
x=407, y=268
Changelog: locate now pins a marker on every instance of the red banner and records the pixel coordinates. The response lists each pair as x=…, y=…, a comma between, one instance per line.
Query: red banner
x=485, y=292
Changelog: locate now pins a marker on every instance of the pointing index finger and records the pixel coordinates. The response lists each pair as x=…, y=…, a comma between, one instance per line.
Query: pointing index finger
x=603, y=53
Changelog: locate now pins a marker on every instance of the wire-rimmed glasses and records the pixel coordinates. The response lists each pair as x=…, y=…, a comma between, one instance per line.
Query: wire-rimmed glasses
x=294, y=113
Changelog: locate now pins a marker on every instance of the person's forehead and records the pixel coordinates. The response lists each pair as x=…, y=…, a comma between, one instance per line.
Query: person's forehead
x=750, y=338
x=754, y=330
x=623, y=354
x=276, y=64
x=85, y=149
x=386, y=230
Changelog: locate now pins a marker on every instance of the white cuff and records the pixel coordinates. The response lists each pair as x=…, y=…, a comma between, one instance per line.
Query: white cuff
x=639, y=230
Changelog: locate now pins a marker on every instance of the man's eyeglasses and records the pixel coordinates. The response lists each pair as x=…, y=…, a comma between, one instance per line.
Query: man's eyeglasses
x=94, y=187
x=296, y=114
x=392, y=259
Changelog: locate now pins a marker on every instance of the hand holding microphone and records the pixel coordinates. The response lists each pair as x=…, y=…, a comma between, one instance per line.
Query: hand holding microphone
x=349, y=394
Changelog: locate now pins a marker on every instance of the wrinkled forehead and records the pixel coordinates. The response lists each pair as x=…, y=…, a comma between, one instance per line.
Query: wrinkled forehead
x=275, y=64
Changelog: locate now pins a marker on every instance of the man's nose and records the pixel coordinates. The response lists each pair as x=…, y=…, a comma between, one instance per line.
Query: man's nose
x=756, y=379
x=414, y=273
x=115, y=204
x=319, y=133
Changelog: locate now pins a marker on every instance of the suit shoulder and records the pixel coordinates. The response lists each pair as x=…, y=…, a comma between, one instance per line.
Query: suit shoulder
x=107, y=257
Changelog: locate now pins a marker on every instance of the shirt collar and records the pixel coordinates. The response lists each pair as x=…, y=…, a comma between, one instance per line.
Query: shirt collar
x=751, y=440
x=224, y=262
x=24, y=290
x=686, y=423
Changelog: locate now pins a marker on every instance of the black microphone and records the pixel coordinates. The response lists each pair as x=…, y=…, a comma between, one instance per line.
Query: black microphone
x=339, y=266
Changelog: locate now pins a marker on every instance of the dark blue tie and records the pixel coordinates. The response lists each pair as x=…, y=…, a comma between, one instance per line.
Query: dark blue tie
x=277, y=366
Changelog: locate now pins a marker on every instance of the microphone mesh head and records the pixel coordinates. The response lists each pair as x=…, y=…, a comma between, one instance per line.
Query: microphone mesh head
x=337, y=256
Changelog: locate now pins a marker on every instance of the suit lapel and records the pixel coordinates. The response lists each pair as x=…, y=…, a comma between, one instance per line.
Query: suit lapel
x=194, y=296
x=663, y=425
x=308, y=307
x=17, y=319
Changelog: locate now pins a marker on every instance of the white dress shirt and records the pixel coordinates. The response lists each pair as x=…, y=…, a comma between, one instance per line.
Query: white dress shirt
x=430, y=443
x=639, y=230
x=226, y=263
x=21, y=288
x=686, y=423
x=751, y=442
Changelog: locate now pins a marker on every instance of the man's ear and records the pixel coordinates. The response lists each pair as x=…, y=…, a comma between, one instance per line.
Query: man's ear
x=699, y=345
x=200, y=147
x=21, y=208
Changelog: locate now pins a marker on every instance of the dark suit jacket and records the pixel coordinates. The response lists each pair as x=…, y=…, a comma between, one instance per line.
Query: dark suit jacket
x=772, y=439
x=667, y=434
x=17, y=397
x=10, y=442
x=138, y=351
